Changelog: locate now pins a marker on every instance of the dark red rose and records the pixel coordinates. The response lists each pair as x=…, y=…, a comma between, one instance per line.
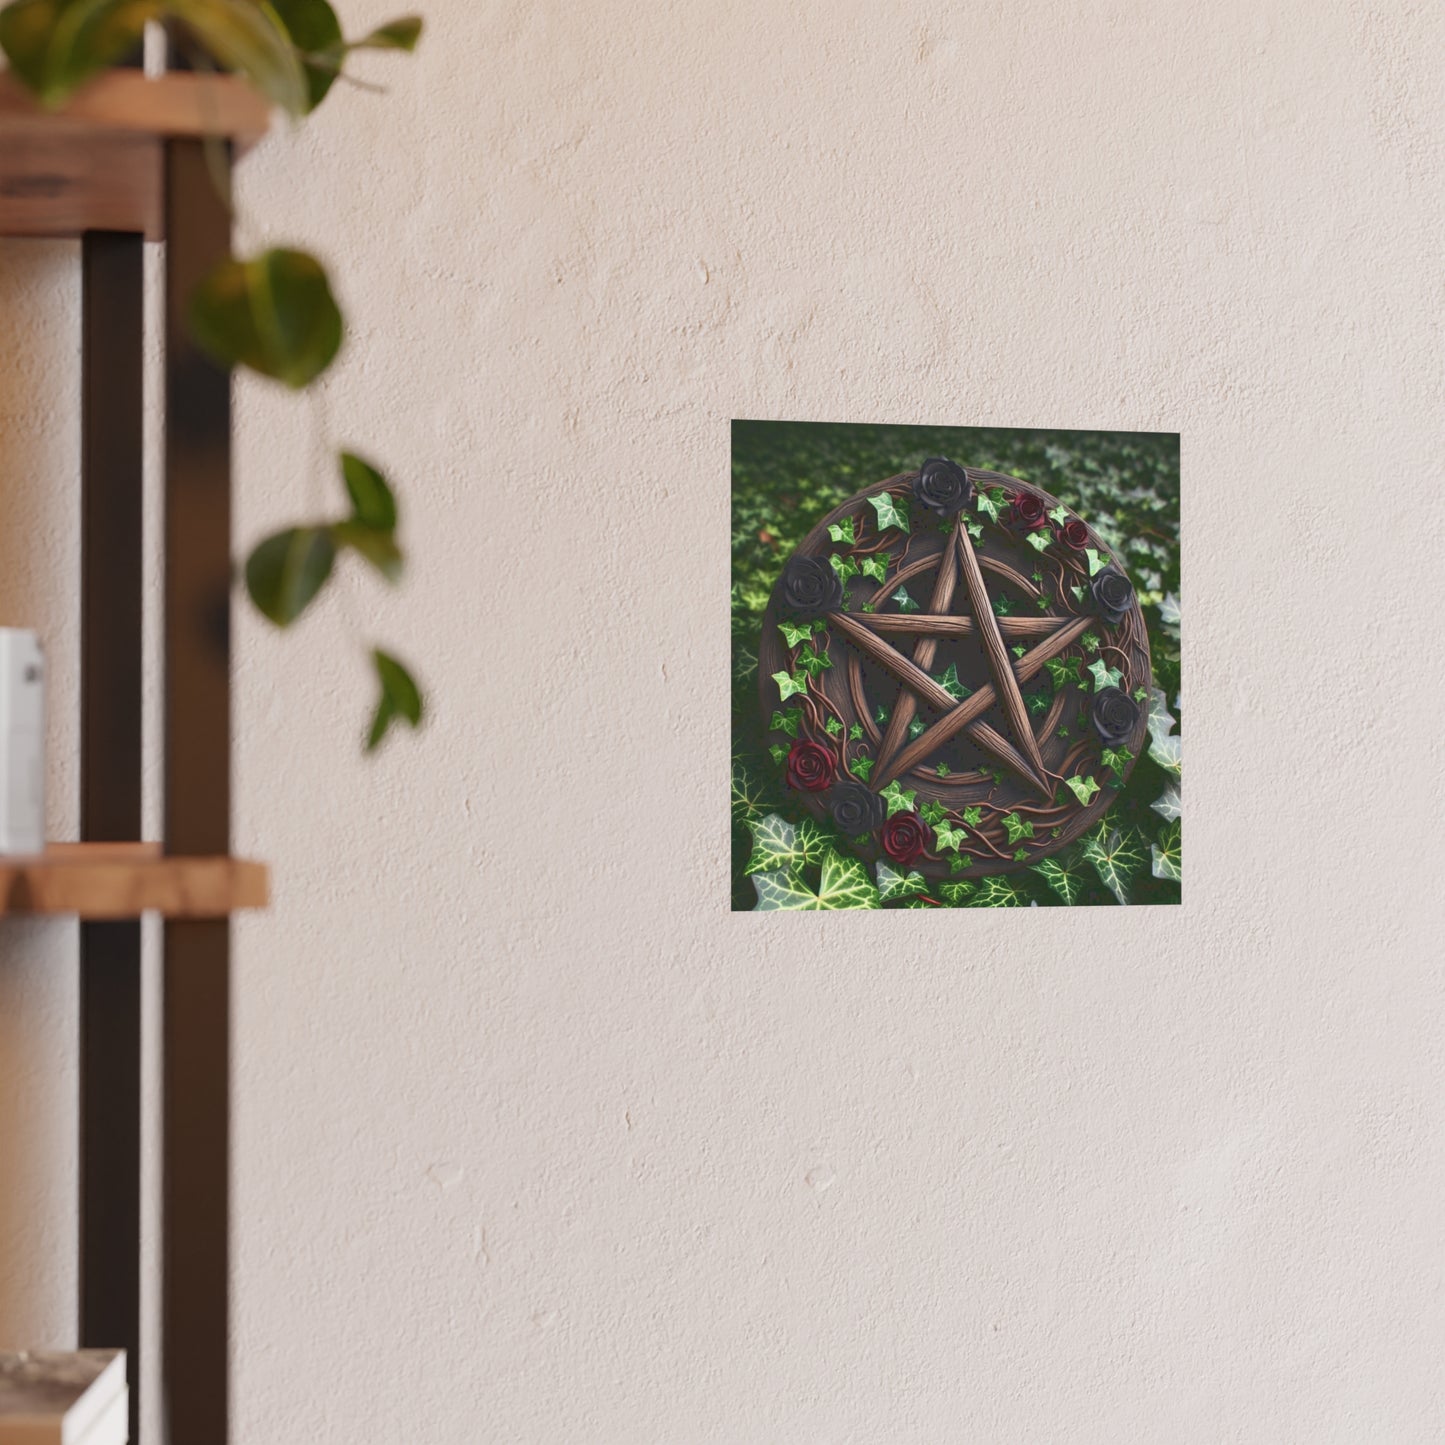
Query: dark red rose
x=811, y=767
x=1075, y=534
x=903, y=837
x=1029, y=510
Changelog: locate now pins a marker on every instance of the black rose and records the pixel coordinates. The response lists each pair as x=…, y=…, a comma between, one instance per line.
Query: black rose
x=1113, y=594
x=856, y=809
x=943, y=486
x=1115, y=715
x=810, y=585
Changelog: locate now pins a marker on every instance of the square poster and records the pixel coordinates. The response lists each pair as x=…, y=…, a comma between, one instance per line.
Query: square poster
x=956, y=667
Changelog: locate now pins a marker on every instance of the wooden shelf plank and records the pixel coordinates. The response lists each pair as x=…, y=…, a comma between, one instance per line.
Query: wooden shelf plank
x=95, y=164
x=124, y=880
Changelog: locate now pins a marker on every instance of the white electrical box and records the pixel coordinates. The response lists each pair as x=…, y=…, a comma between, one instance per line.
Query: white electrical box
x=22, y=764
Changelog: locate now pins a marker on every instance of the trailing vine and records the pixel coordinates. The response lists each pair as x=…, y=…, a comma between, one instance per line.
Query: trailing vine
x=273, y=313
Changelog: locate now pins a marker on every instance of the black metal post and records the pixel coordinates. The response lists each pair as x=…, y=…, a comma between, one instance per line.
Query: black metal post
x=197, y=1028
x=112, y=349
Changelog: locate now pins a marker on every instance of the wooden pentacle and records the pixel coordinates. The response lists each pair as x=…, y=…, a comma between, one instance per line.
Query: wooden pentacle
x=955, y=671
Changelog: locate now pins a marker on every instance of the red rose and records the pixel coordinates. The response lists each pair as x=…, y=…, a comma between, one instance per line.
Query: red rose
x=1029, y=510
x=811, y=767
x=1075, y=533
x=903, y=837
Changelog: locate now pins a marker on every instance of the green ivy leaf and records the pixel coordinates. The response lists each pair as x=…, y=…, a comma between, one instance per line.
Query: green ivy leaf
x=943, y=770
x=1116, y=856
x=779, y=752
x=400, y=699
x=956, y=894
x=1097, y=561
x=748, y=793
x=1117, y=759
x=815, y=840
x=811, y=661
x=1063, y=670
x=948, y=681
x=786, y=721
x=1004, y=605
x=973, y=816
x=1059, y=516
x=1104, y=676
x=775, y=845
x=975, y=530
x=1165, y=747
x=1037, y=702
x=1040, y=539
x=855, y=732
x=845, y=567
x=904, y=601
x=898, y=801
x=845, y=884
x=948, y=837
x=889, y=513
x=789, y=686
x=893, y=884
x=1083, y=788
x=842, y=531
x=876, y=566
x=1169, y=805
x=1090, y=641
x=1017, y=827
x=1021, y=855
x=933, y=812
x=832, y=727
x=916, y=728
x=1066, y=882
x=1019, y=649
x=1169, y=853
x=286, y=571
x=861, y=767
x=794, y=632
x=880, y=714
x=274, y=314
x=995, y=892
x=959, y=863
x=990, y=504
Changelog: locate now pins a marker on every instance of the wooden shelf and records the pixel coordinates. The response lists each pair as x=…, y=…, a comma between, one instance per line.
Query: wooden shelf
x=124, y=880
x=96, y=164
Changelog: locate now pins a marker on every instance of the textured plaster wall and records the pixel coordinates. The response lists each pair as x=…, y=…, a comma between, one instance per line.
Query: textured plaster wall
x=534, y=1140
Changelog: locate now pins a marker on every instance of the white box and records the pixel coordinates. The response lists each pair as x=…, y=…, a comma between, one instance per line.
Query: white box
x=22, y=726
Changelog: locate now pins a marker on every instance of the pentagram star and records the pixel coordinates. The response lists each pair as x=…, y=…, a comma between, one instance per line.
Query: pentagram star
x=1021, y=755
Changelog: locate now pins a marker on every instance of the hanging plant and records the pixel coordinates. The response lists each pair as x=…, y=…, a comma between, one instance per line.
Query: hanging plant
x=275, y=313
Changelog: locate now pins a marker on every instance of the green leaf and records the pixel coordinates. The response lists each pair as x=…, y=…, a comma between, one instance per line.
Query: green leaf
x=832, y=727
x=1116, y=856
x=995, y=892
x=973, y=816
x=248, y=39
x=786, y=721
x=1090, y=641
x=274, y=314
x=1083, y=788
x=845, y=884
x=372, y=501
x=399, y=34
x=880, y=714
x=948, y=837
x=1017, y=827
x=1169, y=853
x=1117, y=759
x=286, y=571
x=811, y=661
x=1169, y=611
x=1019, y=649
x=1165, y=748
x=943, y=770
x=314, y=30
x=775, y=845
x=990, y=504
x=815, y=839
x=956, y=894
x=842, y=531
x=1004, y=605
x=1037, y=702
x=933, y=812
x=916, y=728
x=1104, y=676
x=54, y=46
x=1097, y=561
x=789, y=686
x=1066, y=882
x=904, y=601
x=1040, y=539
x=794, y=632
x=855, y=732
x=889, y=513
x=1063, y=670
x=875, y=566
x=1043, y=602
x=975, y=530
x=1021, y=855
x=892, y=884
x=779, y=752
x=845, y=567
x=1169, y=805
x=948, y=681
x=378, y=548
x=898, y=801
x=861, y=767
x=1059, y=516
x=748, y=793
x=400, y=699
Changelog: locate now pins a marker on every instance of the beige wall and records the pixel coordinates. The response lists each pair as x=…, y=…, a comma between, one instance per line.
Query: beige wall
x=535, y=1141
